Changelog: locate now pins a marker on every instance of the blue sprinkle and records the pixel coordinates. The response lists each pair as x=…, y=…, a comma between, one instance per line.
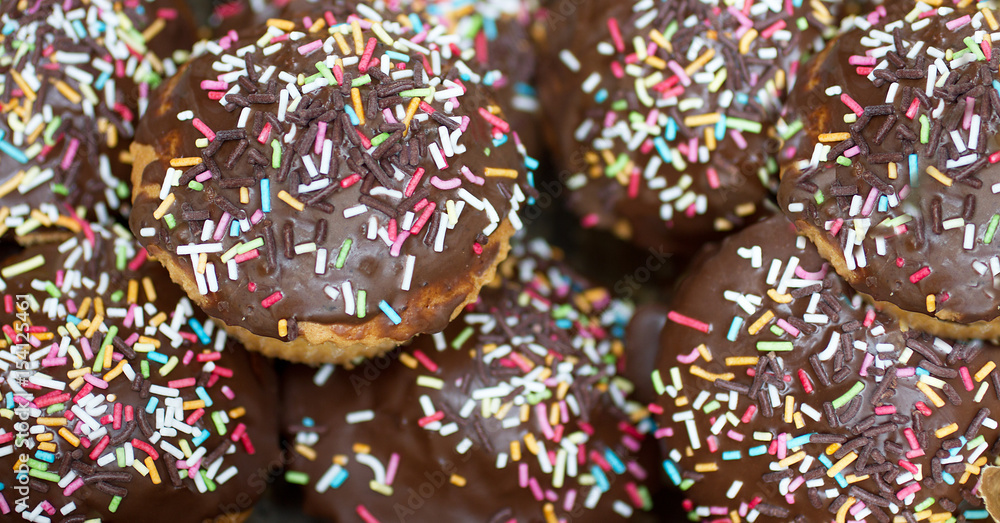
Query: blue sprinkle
x=199, y=331
x=339, y=479
x=497, y=142
x=799, y=441
x=390, y=312
x=948, y=478
x=105, y=76
x=759, y=450
x=158, y=357
x=731, y=455
x=663, y=149
x=201, y=437
x=601, y=96
x=353, y=115
x=151, y=405
x=914, y=175
x=530, y=163
x=976, y=514
x=397, y=56
x=883, y=203
x=418, y=26
x=203, y=394
x=616, y=463
x=73, y=319
x=15, y=153
x=720, y=128
x=671, y=131
x=600, y=478
x=265, y=195
x=672, y=472
x=47, y=457
x=490, y=28
x=308, y=422
x=734, y=328
x=234, y=228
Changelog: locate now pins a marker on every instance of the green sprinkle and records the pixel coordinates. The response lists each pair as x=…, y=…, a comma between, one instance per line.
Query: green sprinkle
x=171, y=363
x=843, y=160
x=220, y=427
x=777, y=331
x=619, y=105
x=362, y=298
x=742, y=124
x=170, y=221
x=59, y=189
x=415, y=93
x=367, y=79
x=538, y=397
x=376, y=141
x=208, y=482
x=276, y=154
x=977, y=441
x=711, y=407
x=802, y=23
x=297, y=478
x=38, y=465
x=231, y=253
x=311, y=79
x=249, y=246
x=115, y=501
x=686, y=484
x=99, y=360
x=58, y=407
x=117, y=295
x=462, y=337
x=144, y=368
x=50, y=130
x=658, y=383
x=195, y=185
x=925, y=504
x=22, y=267
x=430, y=382
x=615, y=168
x=971, y=44
x=849, y=395
x=120, y=453
x=52, y=289
x=792, y=129
x=123, y=191
x=991, y=229
x=41, y=474
x=342, y=257
x=925, y=129
x=668, y=33
x=782, y=346
x=325, y=71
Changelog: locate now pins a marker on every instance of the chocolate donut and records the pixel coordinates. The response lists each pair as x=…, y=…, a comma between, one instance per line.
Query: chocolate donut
x=661, y=112
x=785, y=398
x=325, y=221
x=888, y=162
x=121, y=401
x=514, y=413
x=76, y=78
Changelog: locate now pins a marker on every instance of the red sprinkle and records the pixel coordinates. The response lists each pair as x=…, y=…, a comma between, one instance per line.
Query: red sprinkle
x=920, y=274
x=679, y=318
x=271, y=300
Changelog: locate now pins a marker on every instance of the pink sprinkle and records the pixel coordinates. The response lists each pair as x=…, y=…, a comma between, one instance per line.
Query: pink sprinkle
x=689, y=358
x=390, y=471
x=861, y=60
x=264, y=133
x=869, y=358
x=181, y=383
x=312, y=46
x=735, y=436
x=851, y=104
x=679, y=71
x=796, y=483
x=227, y=392
x=713, y=178
x=713, y=444
x=365, y=515
x=966, y=378
x=478, y=180
x=920, y=274
x=970, y=107
x=692, y=153
x=425, y=361
x=679, y=318
x=911, y=113
x=987, y=49
x=885, y=410
x=72, y=487
x=542, y=419
x=271, y=300
x=95, y=381
x=665, y=432
x=214, y=85
x=522, y=475
x=446, y=185
x=852, y=152
x=203, y=129
x=398, y=244
x=494, y=120
x=320, y=136
x=257, y=216
x=367, y=56
x=737, y=137
x=220, y=229
x=773, y=28
x=955, y=24
x=203, y=177
x=806, y=275
x=616, y=35
x=905, y=372
x=67, y=160
x=788, y=327
x=869, y=205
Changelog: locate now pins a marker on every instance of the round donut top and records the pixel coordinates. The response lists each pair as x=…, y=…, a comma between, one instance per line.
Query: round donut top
x=515, y=412
x=784, y=397
x=889, y=158
x=330, y=174
x=676, y=100
x=77, y=76
x=119, y=401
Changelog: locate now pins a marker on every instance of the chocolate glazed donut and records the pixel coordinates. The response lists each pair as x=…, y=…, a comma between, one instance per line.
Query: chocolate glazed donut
x=889, y=161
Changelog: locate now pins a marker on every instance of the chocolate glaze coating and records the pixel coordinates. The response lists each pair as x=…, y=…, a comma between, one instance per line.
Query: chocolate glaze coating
x=850, y=375
x=640, y=180
x=404, y=171
x=238, y=391
x=66, y=143
x=943, y=224
x=522, y=317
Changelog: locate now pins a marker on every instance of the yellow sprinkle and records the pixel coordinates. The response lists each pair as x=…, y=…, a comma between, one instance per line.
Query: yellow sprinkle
x=832, y=448
x=892, y=171
x=154, y=475
x=359, y=108
x=789, y=408
x=282, y=327
x=990, y=19
x=550, y=513
x=152, y=341
x=408, y=360
x=132, y=295
x=779, y=298
x=834, y=137
x=793, y=459
x=842, y=512
x=29, y=93
x=340, y=459
x=48, y=447
x=318, y=25
x=515, y=450
x=305, y=451
x=77, y=373
x=706, y=467
x=244, y=195
x=502, y=173
x=10, y=185
x=734, y=517
x=656, y=62
x=926, y=389
x=740, y=361
x=280, y=23
x=51, y=422
x=800, y=421
x=851, y=478
x=705, y=353
x=457, y=480
x=342, y=43
x=760, y=323
x=290, y=200
x=561, y=390
x=99, y=307
x=700, y=62
x=747, y=39
x=939, y=176
x=410, y=111
x=531, y=443
x=194, y=405
x=842, y=464
x=47, y=436
x=986, y=369
x=554, y=414
x=710, y=138
x=115, y=372
x=658, y=37
x=69, y=437
x=503, y=410
x=361, y=448
x=931, y=303
x=67, y=91
x=94, y=325
x=702, y=119
x=189, y=161
x=147, y=286
x=164, y=206
x=160, y=317
x=154, y=29
x=704, y=374
x=942, y=432
x=359, y=41
x=525, y=414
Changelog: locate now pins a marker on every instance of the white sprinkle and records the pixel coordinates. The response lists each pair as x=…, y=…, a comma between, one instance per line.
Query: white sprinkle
x=360, y=416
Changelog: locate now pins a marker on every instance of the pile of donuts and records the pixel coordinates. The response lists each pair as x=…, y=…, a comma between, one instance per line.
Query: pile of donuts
x=364, y=260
